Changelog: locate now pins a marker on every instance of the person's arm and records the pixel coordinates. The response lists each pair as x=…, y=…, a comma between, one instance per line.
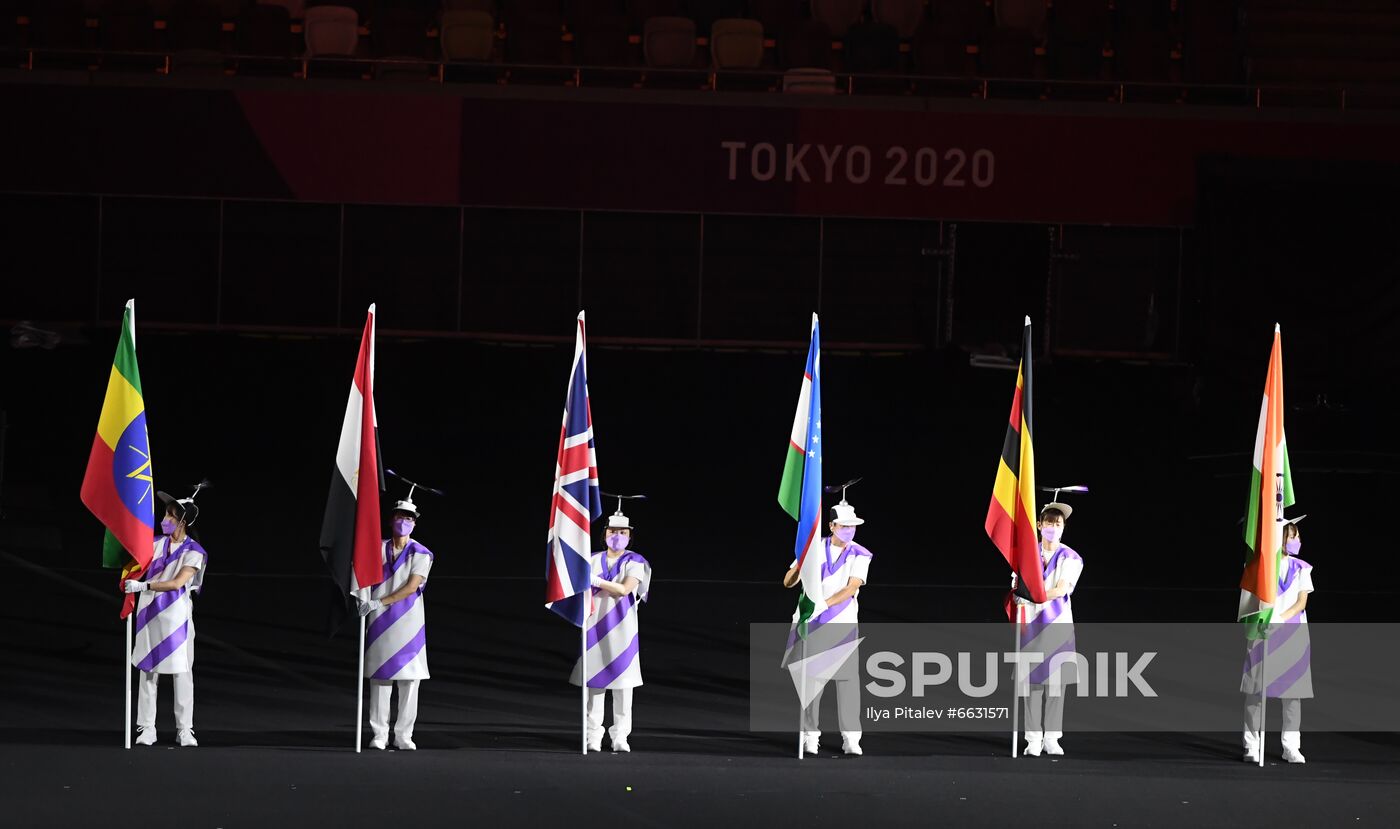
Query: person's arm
x=181, y=579
x=1061, y=588
x=793, y=577
x=852, y=585
x=618, y=589
x=1297, y=608
x=410, y=587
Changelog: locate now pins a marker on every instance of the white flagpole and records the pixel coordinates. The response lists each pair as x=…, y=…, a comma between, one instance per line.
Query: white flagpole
x=1264, y=689
x=801, y=687
x=1015, y=681
x=583, y=668
x=360, y=691
x=126, y=677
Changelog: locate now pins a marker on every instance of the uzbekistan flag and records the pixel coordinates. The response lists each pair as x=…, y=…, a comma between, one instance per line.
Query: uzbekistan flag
x=1270, y=491
x=118, y=487
x=350, y=534
x=800, y=492
x=1011, y=515
x=577, y=500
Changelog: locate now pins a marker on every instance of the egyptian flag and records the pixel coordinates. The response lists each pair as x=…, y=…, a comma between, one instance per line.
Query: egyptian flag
x=350, y=537
x=1011, y=515
x=1270, y=491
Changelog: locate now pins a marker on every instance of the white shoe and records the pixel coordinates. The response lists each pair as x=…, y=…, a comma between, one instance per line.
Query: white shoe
x=146, y=735
x=851, y=747
x=1052, y=747
x=404, y=744
x=1251, y=757
x=378, y=742
x=811, y=745
x=186, y=739
x=1292, y=755
x=621, y=745
x=1033, y=748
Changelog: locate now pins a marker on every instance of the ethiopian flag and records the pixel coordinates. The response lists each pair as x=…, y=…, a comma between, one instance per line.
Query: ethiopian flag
x=118, y=487
x=1011, y=515
x=800, y=492
x=1270, y=491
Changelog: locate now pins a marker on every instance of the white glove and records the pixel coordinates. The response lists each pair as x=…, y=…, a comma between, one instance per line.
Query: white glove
x=597, y=581
x=134, y=586
x=368, y=607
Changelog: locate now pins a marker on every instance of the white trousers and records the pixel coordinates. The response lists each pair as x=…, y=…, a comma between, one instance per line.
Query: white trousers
x=146, y=687
x=847, y=710
x=1291, y=737
x=1048, y=727
x=379, y=692
x=622, y=715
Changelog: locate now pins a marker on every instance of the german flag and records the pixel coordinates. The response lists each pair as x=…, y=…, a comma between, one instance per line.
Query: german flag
x=1011, y=515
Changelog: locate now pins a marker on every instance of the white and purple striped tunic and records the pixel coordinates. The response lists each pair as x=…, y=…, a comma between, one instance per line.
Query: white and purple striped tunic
x=614, y=638
x=1289, y=662
x=1049, y=626
x=841, y=565
x=164, y=624
x=396, y=636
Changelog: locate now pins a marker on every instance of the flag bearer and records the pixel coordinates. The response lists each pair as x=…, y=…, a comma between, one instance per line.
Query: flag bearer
x=1288, y=664
x=621, y=581
x=164, y=642
x=1048, y=628
x=395, y=638
x=845, y=570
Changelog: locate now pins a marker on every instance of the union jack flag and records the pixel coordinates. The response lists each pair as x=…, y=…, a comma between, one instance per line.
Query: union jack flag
x=577, y=500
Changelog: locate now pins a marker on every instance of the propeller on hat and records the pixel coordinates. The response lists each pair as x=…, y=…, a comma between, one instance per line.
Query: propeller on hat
x=841, y=488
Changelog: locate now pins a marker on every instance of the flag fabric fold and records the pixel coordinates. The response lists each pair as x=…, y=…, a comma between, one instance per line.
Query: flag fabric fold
x=118, y=487
x=350, y=532
x=800, y=492
x=1270, y=492
x=1011, y=515
x=576, y=502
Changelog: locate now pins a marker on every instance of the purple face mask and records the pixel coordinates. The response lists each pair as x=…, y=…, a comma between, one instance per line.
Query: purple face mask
x=1051, y=533
x=168, y=526
x=1292, y=546
x=403, y=527
x=617, y=542
x=845, y=534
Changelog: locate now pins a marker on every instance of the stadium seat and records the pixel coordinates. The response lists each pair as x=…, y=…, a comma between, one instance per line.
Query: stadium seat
x=669, y=42
x=872, y=48
x=838, y=15
x=906, y=16
x=806, y=45
x=467, y=35
x=331, y=31
x=809, y=81
x=736, y=43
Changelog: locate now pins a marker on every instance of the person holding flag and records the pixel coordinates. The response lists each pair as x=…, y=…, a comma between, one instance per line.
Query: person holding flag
x=823, y=635
x=1275, y=586
x=1289, y=659
x=118, y=485
x=845, y=568
x=575, y=504
x=165, y=618
x=621, y=582
x=1048, y=628
x=396, y=650
x=350, y=530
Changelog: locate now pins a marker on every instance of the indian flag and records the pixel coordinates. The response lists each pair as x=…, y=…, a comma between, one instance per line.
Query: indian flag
x=1270, y=491
x=800, y=492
